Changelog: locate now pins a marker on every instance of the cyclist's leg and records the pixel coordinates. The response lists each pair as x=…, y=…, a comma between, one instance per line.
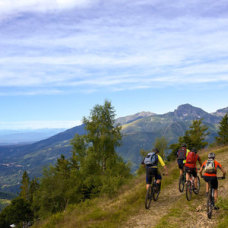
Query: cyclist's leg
x=214, y=185
x=158, y=177
x=206, y=179
x=180, y=165
x=148, y=177
x=187, y=174
x=194, y=173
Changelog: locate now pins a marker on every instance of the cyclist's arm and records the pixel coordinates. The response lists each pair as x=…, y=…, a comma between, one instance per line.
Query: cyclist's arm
x=222, y=169
x=162, y=163
x=199, y=160
x=201, y=168
x=187, y=151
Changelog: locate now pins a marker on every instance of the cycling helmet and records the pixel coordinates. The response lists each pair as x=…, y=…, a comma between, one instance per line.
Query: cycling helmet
x=184, y=145
x=194, y=150
x=211, y=155
x=156, y=150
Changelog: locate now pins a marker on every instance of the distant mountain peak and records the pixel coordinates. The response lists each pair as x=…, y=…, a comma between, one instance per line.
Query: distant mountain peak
x=187, y=111
x=131, y=118
x=221, y=112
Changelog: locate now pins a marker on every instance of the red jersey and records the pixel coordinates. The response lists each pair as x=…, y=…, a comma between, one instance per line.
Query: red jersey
x=193, y=165
x=217, y=165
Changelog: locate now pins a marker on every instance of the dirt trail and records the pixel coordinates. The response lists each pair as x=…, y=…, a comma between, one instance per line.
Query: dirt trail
x=149, y=218
x=194, y=212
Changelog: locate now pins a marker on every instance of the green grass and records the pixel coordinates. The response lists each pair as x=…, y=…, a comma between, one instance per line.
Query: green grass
x=223, y=204
x=4, y=203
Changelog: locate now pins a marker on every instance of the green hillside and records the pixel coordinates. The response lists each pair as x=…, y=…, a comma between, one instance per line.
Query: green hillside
x=127, y=208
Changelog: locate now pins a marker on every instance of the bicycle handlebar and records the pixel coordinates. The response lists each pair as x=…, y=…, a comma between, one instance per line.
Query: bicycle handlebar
x=221, y=178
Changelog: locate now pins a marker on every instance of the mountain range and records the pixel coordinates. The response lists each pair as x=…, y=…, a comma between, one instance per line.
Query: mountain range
x=139, y=132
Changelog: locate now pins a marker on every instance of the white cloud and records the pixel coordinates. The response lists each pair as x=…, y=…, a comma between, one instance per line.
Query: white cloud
x=38, y=124
x=10, y=6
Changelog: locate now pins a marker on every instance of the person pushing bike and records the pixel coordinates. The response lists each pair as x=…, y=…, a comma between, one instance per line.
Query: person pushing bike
x=210, y=174
x=151, y=163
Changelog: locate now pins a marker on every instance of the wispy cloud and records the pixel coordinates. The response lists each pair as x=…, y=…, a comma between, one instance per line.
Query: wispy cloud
x=53, y=46
x=38, y=124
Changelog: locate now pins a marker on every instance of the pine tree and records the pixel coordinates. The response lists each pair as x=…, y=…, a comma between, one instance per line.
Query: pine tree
x=223, y=131
x=196, y=135
x=25, y=186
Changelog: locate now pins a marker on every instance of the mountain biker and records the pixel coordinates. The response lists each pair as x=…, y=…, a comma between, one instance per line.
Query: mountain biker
x=190, y=165
x=211, y=175
x=181, y=156
x=152, y=169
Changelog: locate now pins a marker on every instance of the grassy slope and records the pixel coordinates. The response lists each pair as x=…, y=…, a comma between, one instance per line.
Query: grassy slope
x=127, y=209
x=4, y=203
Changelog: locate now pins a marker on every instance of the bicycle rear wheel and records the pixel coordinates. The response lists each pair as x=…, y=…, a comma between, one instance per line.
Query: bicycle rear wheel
x=148, y=197
x=189, y=190
x=181, y=183
x=209, y=204
x=156, y=191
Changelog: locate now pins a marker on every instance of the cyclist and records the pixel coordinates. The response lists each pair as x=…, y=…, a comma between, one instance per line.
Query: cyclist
x=152, y=169
x=181, y=156
x=210, y=174
x=190, y=165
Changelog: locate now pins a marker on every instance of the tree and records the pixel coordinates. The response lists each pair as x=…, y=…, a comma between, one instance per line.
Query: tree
x=94, y=167
x=17, y=212
x=25, y=186
x=162, y=145
x=196, y=135
x=223, y=131
x=102, y=133
x=193, y=138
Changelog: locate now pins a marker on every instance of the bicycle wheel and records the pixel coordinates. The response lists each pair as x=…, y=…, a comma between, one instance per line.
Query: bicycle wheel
x=156, y=190
x=196, y=191
x=148, y=197
x=181, y=183
x=189, y=190
x=209, y=204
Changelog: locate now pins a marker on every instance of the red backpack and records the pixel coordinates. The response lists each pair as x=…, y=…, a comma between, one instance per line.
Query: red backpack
x=191, y=158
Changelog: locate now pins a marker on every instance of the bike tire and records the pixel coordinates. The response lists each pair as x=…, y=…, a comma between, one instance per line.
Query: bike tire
x=156, y=191
x=196, y=191
x=189, y=190
x=209, y=204
x=148, y=197
x=181, y=183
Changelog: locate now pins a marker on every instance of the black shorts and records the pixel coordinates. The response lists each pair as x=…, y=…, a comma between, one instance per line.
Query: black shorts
x=191, y=171
x=150, y=172
x=214, y=181
x=180, y=163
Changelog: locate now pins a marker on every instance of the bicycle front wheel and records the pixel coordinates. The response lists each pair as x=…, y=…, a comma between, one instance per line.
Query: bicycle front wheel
x=189, y=190
x=156, y=191
x=148, y=197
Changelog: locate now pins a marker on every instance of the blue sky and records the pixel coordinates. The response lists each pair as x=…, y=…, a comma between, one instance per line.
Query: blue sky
x=59, y=58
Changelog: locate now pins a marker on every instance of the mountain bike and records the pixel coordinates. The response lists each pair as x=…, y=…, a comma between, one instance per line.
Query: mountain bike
x=152, y=192
x=210, y=198
x=182, y=181
x=190, y=187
